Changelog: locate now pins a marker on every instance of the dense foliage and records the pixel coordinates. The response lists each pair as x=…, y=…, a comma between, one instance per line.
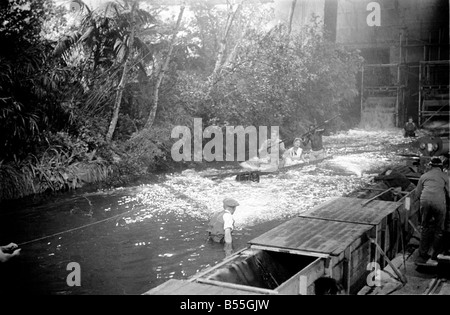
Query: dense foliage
x=66, y=78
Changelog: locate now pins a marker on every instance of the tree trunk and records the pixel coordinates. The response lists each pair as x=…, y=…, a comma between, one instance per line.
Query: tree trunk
x=291, y=16
x=223, y=47
x=230, y=61
x=162, y=72
x=124, y=79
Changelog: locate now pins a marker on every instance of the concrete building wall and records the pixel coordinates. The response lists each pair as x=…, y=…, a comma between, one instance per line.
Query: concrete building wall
x=418, y=21
x=352, y=27
x=410, y=31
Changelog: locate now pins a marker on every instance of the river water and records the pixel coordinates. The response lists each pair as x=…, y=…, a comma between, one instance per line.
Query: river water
x=129, y=240
x=127, y=254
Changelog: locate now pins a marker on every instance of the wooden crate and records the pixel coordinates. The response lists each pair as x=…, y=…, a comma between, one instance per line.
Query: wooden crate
x=291, y=258
x=383, y=215
x=343, y=247
x=186, y=287
x=227, y=277
x=265, y=272
x=331, y=240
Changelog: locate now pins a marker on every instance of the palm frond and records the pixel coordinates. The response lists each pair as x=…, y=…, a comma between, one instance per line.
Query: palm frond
x=144, y=17
x=65, y=44
x=83, y=6
x=88, y=33
x=145, y=51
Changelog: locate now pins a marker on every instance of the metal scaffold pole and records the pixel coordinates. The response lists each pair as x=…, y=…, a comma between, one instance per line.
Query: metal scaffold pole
x=362, y=91
x=420, y=95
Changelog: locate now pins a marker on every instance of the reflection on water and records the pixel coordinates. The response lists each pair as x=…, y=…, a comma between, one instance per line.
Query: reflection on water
x=128, y=254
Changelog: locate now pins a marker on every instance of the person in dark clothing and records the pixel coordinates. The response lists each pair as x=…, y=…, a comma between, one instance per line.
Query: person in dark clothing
x=432, y=191
x=410, y=128
x=326, y=286
x=315, y=137
x=394, y=178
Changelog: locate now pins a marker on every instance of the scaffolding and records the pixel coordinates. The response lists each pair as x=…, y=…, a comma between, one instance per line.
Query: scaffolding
x=433, y=91
x=408, y=87
x=433, y=76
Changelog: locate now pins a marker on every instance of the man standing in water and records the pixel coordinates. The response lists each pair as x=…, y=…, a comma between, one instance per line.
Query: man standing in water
x=410, y=128
x=221, y=225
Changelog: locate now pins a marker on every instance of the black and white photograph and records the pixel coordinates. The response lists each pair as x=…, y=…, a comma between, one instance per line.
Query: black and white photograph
x=224, y=153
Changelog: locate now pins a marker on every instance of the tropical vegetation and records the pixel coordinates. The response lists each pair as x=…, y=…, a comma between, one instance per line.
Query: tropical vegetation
x=91, y=95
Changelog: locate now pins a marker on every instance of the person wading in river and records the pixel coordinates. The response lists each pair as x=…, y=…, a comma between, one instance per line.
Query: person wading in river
x=410, y=128
x=221, y=225
x=432, y=189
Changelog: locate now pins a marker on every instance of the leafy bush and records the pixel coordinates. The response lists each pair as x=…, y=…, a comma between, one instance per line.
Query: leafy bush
x=14, y=183
x=150, y=149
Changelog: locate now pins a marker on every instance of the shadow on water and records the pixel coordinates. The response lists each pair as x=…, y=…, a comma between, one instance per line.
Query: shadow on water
x=115, y=256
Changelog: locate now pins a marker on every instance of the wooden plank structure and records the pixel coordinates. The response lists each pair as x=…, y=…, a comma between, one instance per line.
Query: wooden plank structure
x=333, y=240
x=342, y=246
x=186, y=287
x=287, y=260
x=311, y=236
x=261, y=173
x=383, y=215
x=353, y=210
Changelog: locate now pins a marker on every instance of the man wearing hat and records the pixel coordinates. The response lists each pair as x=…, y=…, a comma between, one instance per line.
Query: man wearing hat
x=432, y=189
x=222, y=223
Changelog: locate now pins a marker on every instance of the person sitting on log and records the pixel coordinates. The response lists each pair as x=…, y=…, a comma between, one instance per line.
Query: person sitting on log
x=293, y=155
x=268, y=160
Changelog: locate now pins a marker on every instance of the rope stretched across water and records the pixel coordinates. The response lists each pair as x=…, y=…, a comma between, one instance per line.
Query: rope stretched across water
x=77, y=228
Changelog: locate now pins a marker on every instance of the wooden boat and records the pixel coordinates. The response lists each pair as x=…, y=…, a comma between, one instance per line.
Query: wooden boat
x=254, y=175
x=340, y=239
